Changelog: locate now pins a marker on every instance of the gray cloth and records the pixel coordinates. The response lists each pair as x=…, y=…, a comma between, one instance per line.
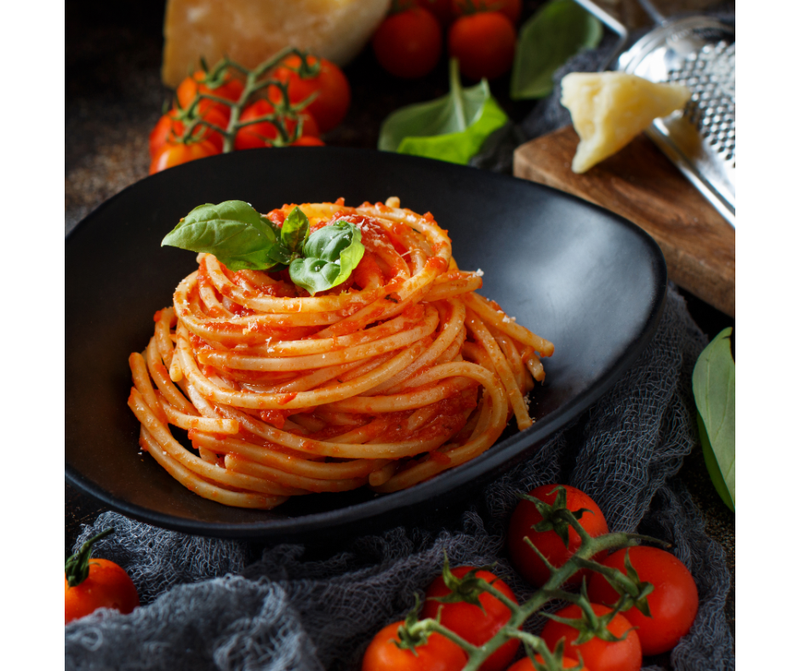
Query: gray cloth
x=221, y=604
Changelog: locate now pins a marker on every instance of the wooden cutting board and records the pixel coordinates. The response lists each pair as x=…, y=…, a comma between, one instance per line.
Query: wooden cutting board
x=640, y=184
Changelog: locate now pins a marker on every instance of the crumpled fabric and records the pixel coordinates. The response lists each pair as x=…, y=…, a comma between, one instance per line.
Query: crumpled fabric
x=224, y=604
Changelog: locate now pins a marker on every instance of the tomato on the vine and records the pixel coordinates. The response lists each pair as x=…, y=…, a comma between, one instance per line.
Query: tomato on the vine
x=332, y=101
x=597, y=654
x=673, y=602
x=228, y=88
x=475, y=624
x=549, y=543
x=260, y=134
x=483, y=43
x=511, y=8
x=526, y=664
x=175, y=153
x=437, y=654
x=170, y=127
x=408, y=44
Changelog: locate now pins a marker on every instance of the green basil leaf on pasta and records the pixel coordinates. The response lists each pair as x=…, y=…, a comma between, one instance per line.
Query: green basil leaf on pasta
x=451, y=128
x=232, y=231
x=331, y=254
x=555, y=33
x=294, y=231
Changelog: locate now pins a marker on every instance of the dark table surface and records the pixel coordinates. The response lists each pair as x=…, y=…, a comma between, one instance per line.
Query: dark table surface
x=114, y=97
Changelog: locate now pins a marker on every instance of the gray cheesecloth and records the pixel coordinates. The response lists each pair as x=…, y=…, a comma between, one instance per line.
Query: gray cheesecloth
x=221, y=604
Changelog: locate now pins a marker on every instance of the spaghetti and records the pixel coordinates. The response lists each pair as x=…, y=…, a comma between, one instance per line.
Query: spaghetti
x=395, y=375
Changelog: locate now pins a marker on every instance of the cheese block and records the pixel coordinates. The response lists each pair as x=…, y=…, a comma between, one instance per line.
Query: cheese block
x=609, y=109
x=250, y=31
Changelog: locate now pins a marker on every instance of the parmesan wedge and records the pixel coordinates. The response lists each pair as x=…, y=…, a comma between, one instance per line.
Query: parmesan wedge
x=609, y=109
x=250, y=31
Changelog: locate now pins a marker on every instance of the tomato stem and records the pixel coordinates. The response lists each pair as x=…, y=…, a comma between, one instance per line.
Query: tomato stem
x=77, y=566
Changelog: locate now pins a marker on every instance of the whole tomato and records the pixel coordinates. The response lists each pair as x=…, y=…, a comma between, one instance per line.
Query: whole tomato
x=475, y=624
x=175, y=153
x=673, y=602
x=91, y=583
x=597, y=654
x=170, y=126
x=408, y=44
x=438, y=654
x=483, y=43
x=332, y=101
x=511, y=8
x=549, y=543
x=225, y=86
x=526, y=664
x=259, y=134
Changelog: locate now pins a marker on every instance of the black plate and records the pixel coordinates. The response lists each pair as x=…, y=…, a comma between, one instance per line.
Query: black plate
x=578, y=275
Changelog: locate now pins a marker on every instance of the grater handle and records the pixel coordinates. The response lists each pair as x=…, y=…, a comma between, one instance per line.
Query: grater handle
x=611, y=23
x=652, y=12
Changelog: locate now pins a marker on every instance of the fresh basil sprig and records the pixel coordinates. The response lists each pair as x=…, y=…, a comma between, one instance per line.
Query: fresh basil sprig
x=242, y=239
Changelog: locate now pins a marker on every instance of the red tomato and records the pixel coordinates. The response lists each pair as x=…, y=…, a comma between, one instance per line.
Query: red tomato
x=408, y=44
x=107, y=586
x=330, y=84
x=598, y=655
x=483, y=43
x=175, y=153
x=191, y=87
x=526, y=515
x=169, y=127
x=308, y=141
x=472, y=623
x=252, y=136
x=511, y=8
x=441, y=9
x=438, y=654
x=673, y=601
x=526, y=664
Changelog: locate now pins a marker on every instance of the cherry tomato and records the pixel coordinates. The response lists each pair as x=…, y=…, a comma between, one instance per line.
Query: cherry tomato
x=330, y=84
x=175, y=153
x=526, y=664
x=511, y=8
x=525, y=516
x=307, y=141
x=483, y=43
x=598, y=655
x=472, y=623
x=408, y=44
x=252, y=136
x=191, y=87
x=441, y=9
x=673, y=601
x=169, y=126
x=438, y=654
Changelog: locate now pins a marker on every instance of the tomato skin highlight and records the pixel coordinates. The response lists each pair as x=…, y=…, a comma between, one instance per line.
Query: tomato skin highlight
x=483, y=43
x=408, y=44
x=673, y=601
x=598, y=655
x=438, y=654
x=331, y=86
x=107, y=586
x=525, y=516
x=175, y=153
x=474, y=625
x=526, y=664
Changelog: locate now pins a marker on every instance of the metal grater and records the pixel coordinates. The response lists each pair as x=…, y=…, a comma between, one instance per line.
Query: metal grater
x=698, y=52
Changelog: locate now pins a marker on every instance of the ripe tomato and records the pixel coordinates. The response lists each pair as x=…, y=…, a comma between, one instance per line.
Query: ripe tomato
x=330, y=84
x=673, y=601
x=252, y=136
x=598, y=655
x=170, y=127
x=483, y=43
x=307, y=141
x=511, y=8
x=438, y=654
x=526, y=516
x=526, y=664
x=408, y=44
x=469, y=621
x=175, y=153
x=229, y=88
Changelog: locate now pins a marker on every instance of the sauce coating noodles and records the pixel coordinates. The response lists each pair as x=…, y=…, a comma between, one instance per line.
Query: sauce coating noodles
x=398, y=374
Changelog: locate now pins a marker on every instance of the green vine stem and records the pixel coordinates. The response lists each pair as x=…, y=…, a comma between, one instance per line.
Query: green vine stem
x=632, y=591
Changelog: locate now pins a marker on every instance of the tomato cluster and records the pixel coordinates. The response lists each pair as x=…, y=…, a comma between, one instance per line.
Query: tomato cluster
x=309, y=97
x=481, y=34
x=589, y=633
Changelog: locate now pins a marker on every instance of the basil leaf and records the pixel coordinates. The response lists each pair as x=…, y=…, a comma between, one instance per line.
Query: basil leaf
x=331, y=254
x=555, y=33
x=294, y=231
x=451, y=128
x=714, y=386
x=232, y=231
